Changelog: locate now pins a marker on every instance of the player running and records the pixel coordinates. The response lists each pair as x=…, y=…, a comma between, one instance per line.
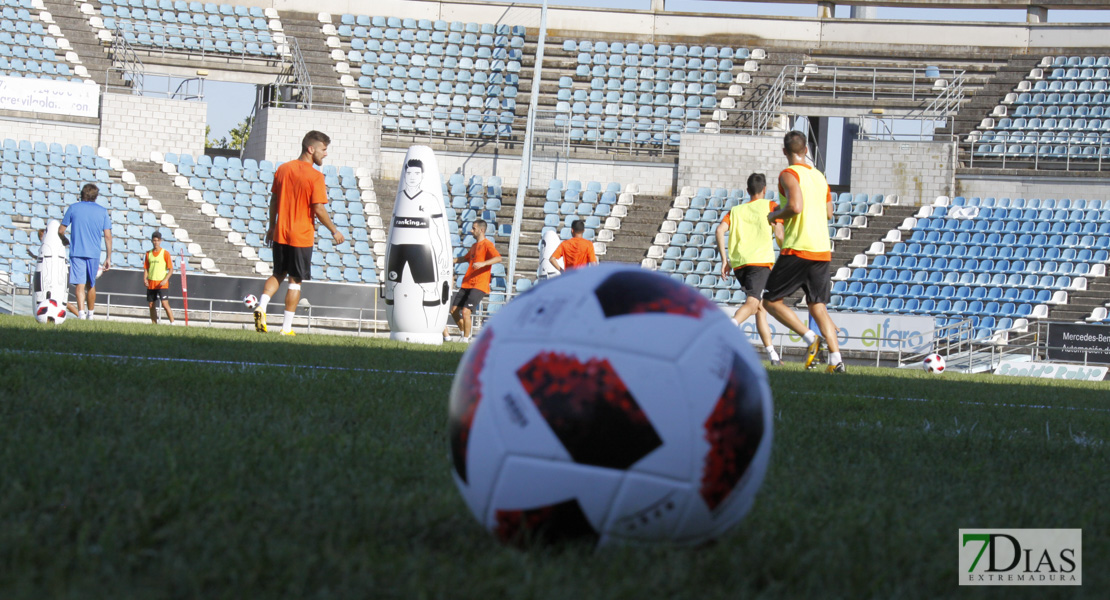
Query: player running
x=299, y=198
x=806, y=251
x=481, y=257
x=749, y=254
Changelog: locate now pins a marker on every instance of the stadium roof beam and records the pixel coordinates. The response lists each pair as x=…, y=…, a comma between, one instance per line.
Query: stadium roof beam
x=1036, y=10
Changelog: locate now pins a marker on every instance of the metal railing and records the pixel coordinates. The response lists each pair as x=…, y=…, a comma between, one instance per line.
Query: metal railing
x=771, y=103
x=1036, y=155
x=127, y=63
x=202, y=43
x=873, y=83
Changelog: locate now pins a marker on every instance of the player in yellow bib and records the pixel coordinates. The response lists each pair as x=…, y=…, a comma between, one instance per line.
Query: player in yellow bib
x=806, y=251
x=748, y=253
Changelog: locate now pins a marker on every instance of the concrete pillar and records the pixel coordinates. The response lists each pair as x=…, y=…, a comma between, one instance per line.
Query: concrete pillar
x=851, y=133
x=826, y=10
x=1036, y=14
x=821, y=135
x=864, y=12
x=658, y=6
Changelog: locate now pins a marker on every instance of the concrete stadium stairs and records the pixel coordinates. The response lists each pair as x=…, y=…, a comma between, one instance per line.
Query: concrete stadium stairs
x=82, y=38
x=1081, y=303
x=305, y=27
x=877, y=227
x=894, y=91
x=991, y=94
x=186, y=213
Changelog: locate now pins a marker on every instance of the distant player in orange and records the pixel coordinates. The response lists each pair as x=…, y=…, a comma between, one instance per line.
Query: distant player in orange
x=575, y=252
x=806, y=251
x=475, y=286
x=299, y=198
x=157, y=269
x=748, y=253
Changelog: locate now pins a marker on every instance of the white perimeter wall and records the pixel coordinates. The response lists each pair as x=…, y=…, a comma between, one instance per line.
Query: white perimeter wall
x=1042, y=187
x=133, y=126
x=917, y=171
x=726, y=161
x=355, y=139
x=45, y=130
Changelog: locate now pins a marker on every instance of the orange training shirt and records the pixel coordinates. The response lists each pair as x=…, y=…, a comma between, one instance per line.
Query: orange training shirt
x=575, y=252
x=479, y=278
x=297, y=185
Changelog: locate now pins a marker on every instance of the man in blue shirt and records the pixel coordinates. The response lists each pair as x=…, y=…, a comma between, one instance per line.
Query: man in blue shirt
x=89, y=221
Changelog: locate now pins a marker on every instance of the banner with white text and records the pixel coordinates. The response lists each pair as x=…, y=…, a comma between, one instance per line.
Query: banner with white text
x=1079, y=343
x=75, y=99
x=858, y=331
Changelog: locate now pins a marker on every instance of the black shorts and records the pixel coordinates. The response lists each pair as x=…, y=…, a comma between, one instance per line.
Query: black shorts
x=468, y=298
x=752, y=279
x=791, y=272
x=293, y=261
x=156, y=295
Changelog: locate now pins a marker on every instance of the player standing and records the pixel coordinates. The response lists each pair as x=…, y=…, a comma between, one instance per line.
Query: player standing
x=806, y=251
x=298, y=199
x=576, y=252
x=157, y=269
x=749, y=255
x=90, y=222
x=482, y=255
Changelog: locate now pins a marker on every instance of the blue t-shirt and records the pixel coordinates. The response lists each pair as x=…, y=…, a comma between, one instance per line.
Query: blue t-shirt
x=85, y=222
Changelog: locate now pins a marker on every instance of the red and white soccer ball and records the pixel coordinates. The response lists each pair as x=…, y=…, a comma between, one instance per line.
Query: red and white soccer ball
x=250, y=301
x=612, y=404
x=934, y=363
x=50, y=311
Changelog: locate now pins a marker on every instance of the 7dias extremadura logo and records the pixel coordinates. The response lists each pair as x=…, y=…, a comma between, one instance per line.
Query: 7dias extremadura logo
x=1021, y=557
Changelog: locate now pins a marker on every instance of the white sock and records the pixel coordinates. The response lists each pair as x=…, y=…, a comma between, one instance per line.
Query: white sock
x=81, y=315
x=809, y=336
x=263, y=302
x=834, y=358
x=287, y=323
x=771, y=354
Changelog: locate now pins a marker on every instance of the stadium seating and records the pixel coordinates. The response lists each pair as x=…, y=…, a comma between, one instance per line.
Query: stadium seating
x=466, y=200
x=600, y=206
x=631, y=93
x=429, y=77
x=1057, y=112
x=194, y=28
x=235, y=193
x=992, y=261
x=38, y=181
x=28, y=49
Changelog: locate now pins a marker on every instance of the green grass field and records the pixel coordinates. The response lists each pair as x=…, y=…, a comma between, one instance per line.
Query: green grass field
x=222, y=477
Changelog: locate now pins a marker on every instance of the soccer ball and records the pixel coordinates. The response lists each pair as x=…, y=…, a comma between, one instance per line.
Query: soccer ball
x=250, y=301
x=934, y=363
x=50, y=310
x=612, y=404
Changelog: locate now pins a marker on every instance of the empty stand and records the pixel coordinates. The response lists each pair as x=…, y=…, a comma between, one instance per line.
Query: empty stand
x=429, y=77
x=992, y=261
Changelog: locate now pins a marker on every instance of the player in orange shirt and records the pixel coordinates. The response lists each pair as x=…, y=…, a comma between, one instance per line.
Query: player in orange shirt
x=575, y=252
x=475, y=286
x=299, y=198
x=157, y=269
